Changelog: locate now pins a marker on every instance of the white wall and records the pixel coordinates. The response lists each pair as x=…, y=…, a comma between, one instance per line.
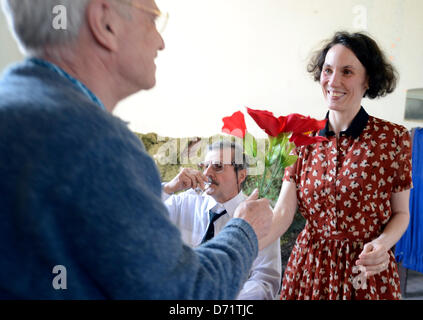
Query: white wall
x=9, y=51
x=222, y=55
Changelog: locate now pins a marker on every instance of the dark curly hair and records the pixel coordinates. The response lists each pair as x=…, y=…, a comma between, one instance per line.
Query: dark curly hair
x=381, y=74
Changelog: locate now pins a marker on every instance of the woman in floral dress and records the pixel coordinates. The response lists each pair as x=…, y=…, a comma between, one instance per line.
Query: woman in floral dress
x=353, y=189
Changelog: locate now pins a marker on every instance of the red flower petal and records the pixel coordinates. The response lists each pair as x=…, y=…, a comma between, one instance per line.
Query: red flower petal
x=298, y=123
x=268, y=122
x=235, y=125
x=303, y=140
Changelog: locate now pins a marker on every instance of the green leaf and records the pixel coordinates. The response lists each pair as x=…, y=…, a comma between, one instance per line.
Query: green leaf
x=289, y=160
x=283, y=138
x=250, y=145
x=275, y=155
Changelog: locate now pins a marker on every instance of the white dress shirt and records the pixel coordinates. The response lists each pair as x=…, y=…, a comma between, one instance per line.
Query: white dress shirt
x=190, y=213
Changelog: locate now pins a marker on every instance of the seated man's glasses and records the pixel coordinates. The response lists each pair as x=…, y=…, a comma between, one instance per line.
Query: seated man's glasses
x=216, y=166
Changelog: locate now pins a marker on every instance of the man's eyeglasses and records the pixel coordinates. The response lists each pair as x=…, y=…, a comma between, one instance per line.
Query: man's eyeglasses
x=161, y=18
x=216, y=166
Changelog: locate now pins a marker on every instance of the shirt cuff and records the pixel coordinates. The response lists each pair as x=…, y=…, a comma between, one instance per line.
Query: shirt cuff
x=165, y=195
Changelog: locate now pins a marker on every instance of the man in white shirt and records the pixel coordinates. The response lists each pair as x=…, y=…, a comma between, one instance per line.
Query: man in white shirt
x=191, y=211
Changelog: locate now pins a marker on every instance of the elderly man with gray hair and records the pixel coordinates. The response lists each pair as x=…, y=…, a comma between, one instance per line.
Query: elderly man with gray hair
x=79, y=195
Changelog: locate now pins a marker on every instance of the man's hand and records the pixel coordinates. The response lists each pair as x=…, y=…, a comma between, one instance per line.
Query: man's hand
x=257, y=213
x=186, y=178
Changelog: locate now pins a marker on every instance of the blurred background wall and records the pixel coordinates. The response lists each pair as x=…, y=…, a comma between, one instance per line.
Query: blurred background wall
x=223, y=55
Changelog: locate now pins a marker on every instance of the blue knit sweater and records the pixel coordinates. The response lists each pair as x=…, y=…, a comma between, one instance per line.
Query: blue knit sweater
x=78, y=189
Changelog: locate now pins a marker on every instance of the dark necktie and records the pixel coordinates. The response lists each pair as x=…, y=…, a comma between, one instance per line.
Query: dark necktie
x=210, y=229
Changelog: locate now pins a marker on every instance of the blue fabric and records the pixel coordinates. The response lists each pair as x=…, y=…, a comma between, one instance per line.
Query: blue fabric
x=409, y=249
x=78, y=189
x=76, y=82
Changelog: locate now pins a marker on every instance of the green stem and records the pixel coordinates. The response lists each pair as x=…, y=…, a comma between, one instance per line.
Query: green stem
x=266, y=160
x=274, y=175
x=263, y=179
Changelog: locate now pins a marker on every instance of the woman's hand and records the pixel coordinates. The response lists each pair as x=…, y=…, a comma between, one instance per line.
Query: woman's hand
x=374, y=258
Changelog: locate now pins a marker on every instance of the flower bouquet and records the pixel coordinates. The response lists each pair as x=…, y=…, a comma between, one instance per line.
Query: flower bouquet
x=284, y=134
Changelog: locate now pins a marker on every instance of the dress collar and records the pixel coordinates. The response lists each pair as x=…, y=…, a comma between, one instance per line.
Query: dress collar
x=354, y=130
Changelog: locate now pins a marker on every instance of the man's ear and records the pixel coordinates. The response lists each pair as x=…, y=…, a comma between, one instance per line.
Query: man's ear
x=102, y=21
x=242, y=175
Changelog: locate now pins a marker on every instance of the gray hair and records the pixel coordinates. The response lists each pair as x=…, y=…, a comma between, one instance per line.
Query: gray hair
x=31, y=22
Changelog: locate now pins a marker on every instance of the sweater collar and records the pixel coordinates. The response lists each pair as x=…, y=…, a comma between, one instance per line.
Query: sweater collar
x=64, y=74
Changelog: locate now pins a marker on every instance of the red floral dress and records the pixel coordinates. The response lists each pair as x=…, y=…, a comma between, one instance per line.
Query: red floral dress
x=344, y=190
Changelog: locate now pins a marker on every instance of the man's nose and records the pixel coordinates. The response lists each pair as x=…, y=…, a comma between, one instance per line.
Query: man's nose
x=208, y=170
x=161, y=43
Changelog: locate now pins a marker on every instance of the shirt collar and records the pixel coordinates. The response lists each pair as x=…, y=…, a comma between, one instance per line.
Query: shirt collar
x=229, y=206
x=354, y=130
x=64, y=74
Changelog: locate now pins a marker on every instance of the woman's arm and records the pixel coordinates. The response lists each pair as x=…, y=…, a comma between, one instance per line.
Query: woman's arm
x=283, y=214
x=399, y=221
x=374, y=255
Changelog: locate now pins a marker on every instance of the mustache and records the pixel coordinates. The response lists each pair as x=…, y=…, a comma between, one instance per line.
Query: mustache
x=213, y=182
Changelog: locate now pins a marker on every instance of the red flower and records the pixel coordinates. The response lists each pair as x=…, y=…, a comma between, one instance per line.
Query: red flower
x=235, y=125
x=268, y=122
x=297, y=123
x=277, y=156
x=300, y=139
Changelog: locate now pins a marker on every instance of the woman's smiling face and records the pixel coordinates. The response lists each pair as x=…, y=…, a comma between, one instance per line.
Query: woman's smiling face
x=343, y=79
